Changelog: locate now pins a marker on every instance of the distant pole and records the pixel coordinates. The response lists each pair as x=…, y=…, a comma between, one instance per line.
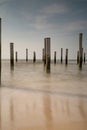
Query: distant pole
x=80, y=50
x=0, y=50
x=84, y=57
x=61, y=55
x=77, y=57
x=66, y=57
x=44, y=51
x=16, y=56
x=26, y=54
x=43, y=54
x=12, y=54
x=55, y=57
x=34, y=57
x=48, y=59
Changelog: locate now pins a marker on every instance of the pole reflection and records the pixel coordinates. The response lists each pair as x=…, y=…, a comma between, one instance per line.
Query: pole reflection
x=48, y=112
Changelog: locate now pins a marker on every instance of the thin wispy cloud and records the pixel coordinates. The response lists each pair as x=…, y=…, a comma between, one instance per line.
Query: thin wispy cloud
x=3, y=2
x=26, y=19
x=42, y=19
x=54, y=9
x=77, y=25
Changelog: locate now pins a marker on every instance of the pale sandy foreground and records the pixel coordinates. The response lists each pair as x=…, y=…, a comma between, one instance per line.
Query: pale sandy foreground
x=44, y=102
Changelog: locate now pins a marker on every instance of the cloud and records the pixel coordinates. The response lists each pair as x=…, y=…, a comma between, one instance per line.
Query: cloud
x=42, y=19
x=42, y=24
x=77, y=25
x=52, y=17
x=3, y=2
x=54, y=9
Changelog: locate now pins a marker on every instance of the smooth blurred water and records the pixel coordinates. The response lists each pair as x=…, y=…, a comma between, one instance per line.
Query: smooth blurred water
x=62, y=78
x=31, y=99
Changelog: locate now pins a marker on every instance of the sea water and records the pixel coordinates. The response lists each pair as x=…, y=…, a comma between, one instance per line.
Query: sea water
x=31, y=99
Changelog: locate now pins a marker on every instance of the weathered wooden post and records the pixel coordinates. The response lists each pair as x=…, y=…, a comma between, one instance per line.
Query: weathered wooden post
x=16, y=56
x=61, y=55
x=0, y=50
x=12, y=54
x=26, y=54
x=48, y=59
x=55, y=57
x=84, y=57
x=66, y=57
x=80, y=50
x=44, y=51
x=43, y=54
x=34, y=57
x=77, y=57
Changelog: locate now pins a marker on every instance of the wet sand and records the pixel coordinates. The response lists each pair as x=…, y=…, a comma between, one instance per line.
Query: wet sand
x=29, y=110
x=43, y=102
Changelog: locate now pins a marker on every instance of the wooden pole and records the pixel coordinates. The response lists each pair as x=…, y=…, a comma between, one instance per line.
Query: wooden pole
x=43, y=54
x=48, y=59
x=26, y=54
x=16, y=56
x=12, y=54
x=44, y=51
x=61, y=55
x=77, y=57
x=66, y=57
x=34, y=57
x=80, y=50
x=84, y=57
x=55, y=57
x=0, y=50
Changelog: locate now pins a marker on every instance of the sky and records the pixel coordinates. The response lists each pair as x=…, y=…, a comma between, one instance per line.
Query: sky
x=27, y=22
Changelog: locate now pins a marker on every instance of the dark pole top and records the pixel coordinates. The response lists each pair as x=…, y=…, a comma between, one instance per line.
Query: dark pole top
x=0, y=28
x=11, y=43
x=81, y=33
